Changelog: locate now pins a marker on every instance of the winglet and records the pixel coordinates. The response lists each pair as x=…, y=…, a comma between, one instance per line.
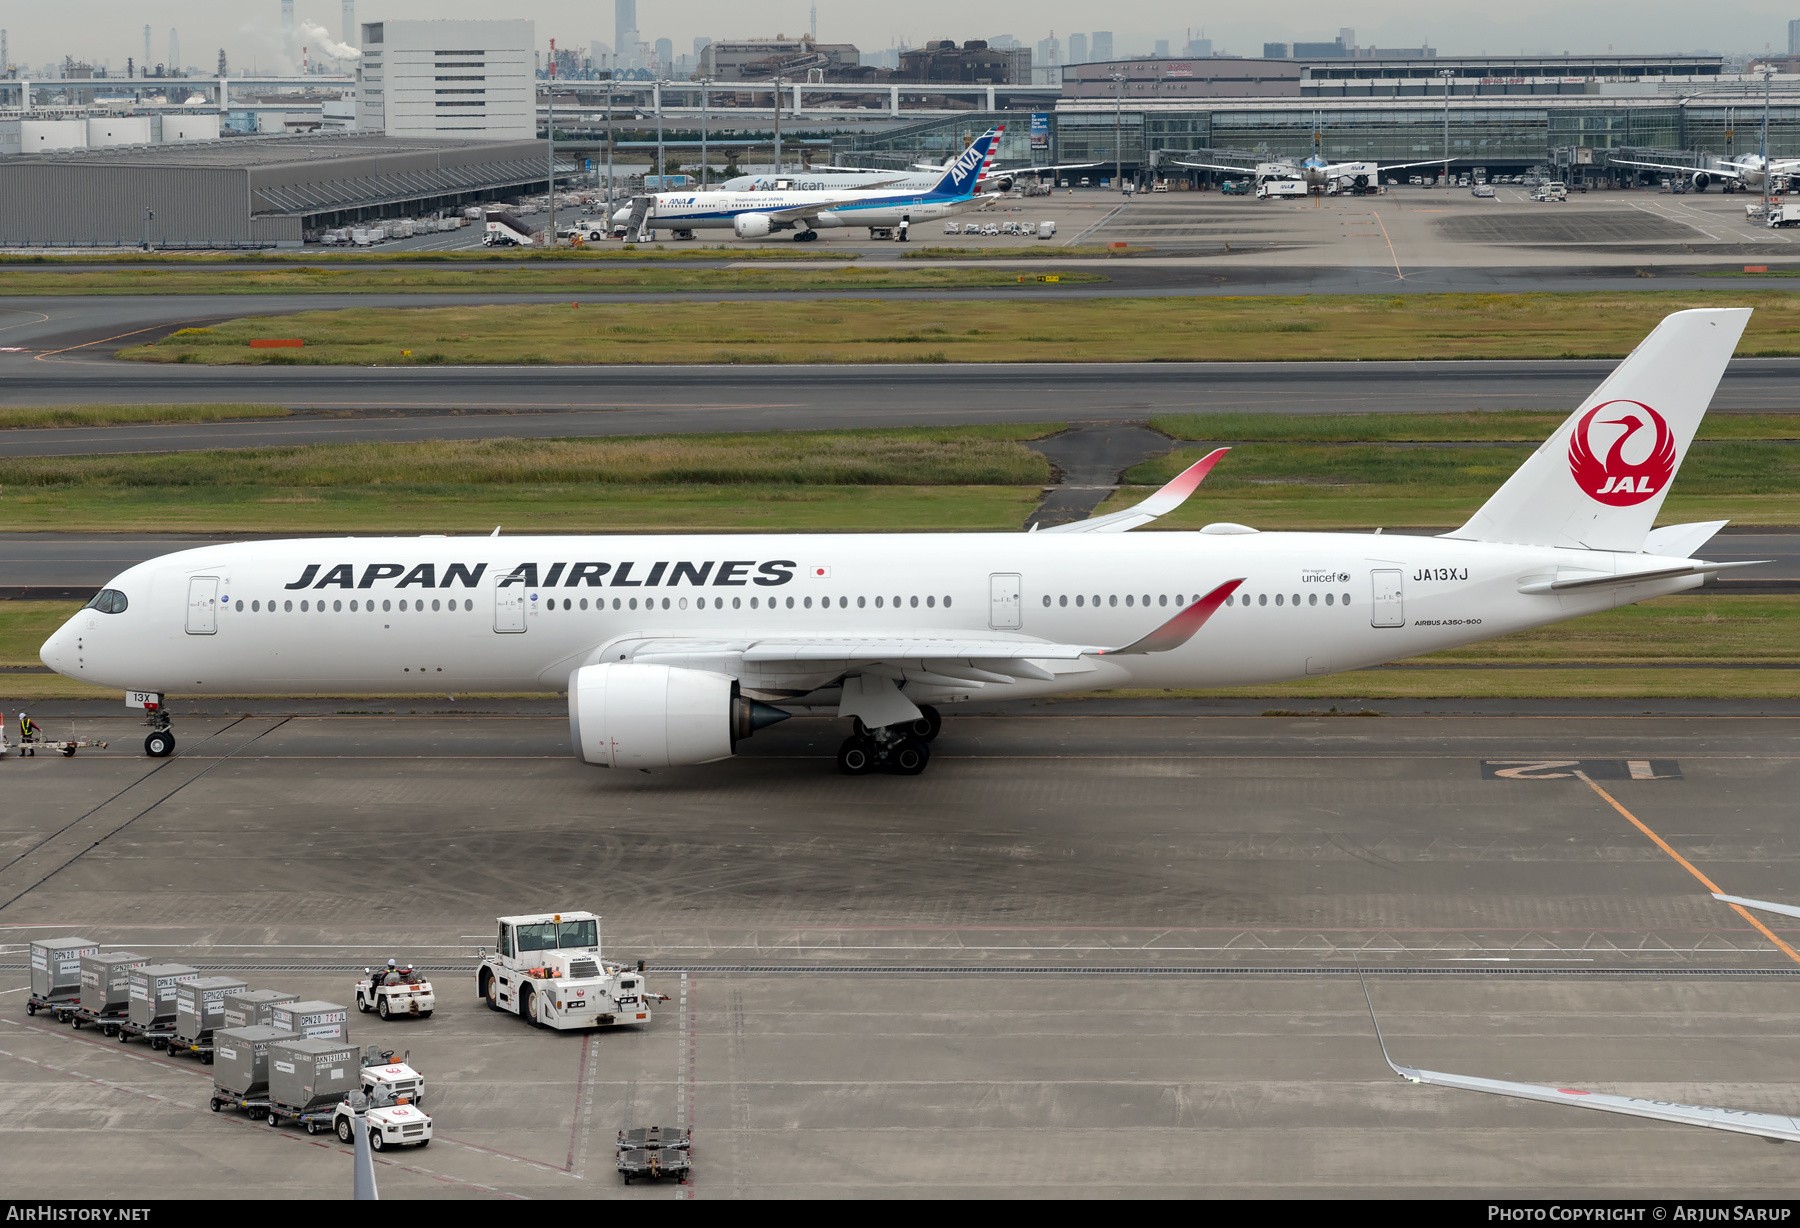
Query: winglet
x=1180, y=629
x=1172, y=495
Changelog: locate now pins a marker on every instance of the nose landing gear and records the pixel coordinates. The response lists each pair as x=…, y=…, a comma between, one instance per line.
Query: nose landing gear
x=161, y=742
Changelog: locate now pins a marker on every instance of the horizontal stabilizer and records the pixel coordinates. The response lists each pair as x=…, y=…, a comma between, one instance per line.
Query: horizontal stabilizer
x=1619, y=579
x=1172, y=495
x=1680, y=541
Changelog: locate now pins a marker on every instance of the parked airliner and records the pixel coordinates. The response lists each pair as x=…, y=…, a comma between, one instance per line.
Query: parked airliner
x=756, y=214
x=673, y=648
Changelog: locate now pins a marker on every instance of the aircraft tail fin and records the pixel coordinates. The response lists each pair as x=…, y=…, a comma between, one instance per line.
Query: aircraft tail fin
x=1599, y=481
x=965, y=170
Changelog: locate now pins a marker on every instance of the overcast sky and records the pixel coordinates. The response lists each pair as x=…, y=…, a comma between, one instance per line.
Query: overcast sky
x=110, y=30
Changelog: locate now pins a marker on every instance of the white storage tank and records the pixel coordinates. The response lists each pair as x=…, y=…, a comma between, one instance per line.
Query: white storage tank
x=118, y=130
x=42, y=135
x=184, y=127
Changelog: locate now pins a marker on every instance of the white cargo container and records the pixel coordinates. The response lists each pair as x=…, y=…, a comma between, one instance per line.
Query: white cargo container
x=313, y=1020
x=153, y=990
x=106, y=981
x=249, y=1008
x=56, y=969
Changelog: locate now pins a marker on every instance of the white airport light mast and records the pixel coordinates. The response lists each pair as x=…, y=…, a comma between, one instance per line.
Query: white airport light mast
x=550, y=131
x=1118, y=130
x=1446, y=74
x=705, y=164
x=779, y=82
x=1768, y=76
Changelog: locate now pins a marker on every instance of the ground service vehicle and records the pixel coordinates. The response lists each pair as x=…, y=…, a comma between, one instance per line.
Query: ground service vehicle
x=392, y=992
x=1281, y=189
x=546, y=968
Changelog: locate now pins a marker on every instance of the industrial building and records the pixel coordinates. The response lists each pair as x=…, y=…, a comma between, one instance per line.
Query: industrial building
x=251, y=191
x=470, y=80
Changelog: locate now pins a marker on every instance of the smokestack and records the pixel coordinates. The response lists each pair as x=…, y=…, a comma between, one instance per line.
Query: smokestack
x=350, y=35
x=287, y=28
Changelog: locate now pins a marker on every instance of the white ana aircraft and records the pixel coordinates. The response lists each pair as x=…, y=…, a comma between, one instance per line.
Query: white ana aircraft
x=1743, y=171
x=1317, y=172
x=921, y=177
x=754, y=215
x=673, y=648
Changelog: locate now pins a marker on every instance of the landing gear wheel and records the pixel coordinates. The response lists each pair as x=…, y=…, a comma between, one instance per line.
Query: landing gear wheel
x=908, y=756
x=926, y=727
x=856, y=757
x=381, y=1007
x=160, y=745
x=345, y=1131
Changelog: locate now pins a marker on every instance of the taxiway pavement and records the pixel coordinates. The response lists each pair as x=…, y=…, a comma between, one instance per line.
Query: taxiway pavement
x=1098, y=948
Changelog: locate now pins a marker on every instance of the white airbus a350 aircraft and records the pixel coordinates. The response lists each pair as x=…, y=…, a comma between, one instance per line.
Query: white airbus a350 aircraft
x=673, y=648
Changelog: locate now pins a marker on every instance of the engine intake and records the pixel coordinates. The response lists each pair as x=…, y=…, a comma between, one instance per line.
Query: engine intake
x=648, y=716
x=751, y=225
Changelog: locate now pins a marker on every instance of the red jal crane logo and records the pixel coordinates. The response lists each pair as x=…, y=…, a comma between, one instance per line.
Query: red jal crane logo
x=1616, y=481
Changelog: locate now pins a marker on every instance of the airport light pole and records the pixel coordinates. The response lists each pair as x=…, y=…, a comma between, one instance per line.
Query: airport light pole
x=1446, y=74
x=705, y=162
x=779, y=82
x=1768, y=72
x=609, y=152
x=661, y=175
x=1118, y=131
x=550, y=131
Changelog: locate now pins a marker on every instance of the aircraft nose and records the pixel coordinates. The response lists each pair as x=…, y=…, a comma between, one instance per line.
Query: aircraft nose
x=58, y=651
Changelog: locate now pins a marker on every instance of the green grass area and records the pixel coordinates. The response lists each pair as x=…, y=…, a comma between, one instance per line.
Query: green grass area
x=1507, y=425
x=569, y=277
x=596, y=254
x=1052, y=329
x=25, y=625
x=918, y=479
x=1296, y=486
x=114, y=415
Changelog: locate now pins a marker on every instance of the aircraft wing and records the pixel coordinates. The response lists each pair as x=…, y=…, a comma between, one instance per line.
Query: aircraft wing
x=1400, y=166
x=1738, y=1121
x=1215, y=166
x=1786, y=910
x=1037, y=170
x=1172, y=495
x=1722, y=172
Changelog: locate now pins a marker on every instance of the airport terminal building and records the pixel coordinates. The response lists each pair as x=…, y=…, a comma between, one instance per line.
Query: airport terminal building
x=1504, y=114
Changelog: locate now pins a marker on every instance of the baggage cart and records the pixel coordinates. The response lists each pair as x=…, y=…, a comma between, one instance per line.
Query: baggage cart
x=241, y=1064
x=307, y=1075
x=199, y=1010
x=105, y=989
x=655, y=1152
x=31, y=746
x=56, y=974
x=314, y=1119
x=250, y=1008
x=151, y=1014
x=254, y=1106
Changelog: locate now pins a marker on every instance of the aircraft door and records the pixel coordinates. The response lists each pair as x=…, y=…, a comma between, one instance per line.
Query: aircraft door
x=1003, y=602
x=203, y=605
x=509, y=609
x=1389, y=608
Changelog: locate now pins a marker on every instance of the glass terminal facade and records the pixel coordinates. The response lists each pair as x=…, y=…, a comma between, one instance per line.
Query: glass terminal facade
x=1483, y=131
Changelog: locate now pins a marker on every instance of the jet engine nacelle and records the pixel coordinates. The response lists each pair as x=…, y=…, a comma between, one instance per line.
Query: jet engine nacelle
x=997, y=183
x=649, y=716
x=751, y=225
x=1702, y=181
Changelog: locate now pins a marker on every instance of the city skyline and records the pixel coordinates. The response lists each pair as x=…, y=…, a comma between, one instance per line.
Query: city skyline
x=252, y=38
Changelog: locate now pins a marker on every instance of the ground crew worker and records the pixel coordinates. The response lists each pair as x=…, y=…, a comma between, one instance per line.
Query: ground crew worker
x=904, y=223
x=28, y=733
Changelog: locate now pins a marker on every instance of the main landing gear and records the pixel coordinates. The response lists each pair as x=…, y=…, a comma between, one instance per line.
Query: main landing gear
x=805, y=236
x=161, y=742
x=901, y=749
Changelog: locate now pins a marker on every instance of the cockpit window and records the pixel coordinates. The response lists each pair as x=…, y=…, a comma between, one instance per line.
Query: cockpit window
x=108, y=601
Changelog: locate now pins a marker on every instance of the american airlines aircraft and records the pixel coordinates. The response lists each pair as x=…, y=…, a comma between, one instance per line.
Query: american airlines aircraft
x=673, y=649
x=754, y=215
